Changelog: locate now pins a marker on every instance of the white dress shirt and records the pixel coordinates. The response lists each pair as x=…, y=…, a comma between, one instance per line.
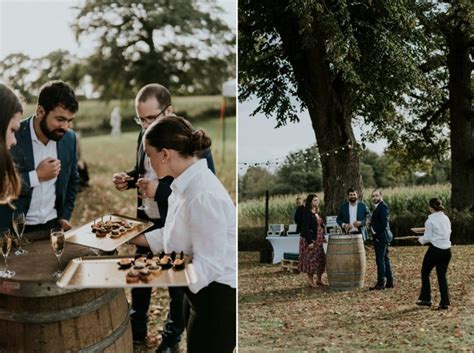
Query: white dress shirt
x=437, y=231
x=201, y=221
x=151, y=206
x=43, y=197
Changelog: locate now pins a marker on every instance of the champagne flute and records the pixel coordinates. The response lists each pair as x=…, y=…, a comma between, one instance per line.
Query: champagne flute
x=143, y=206
x=6, y=241
x=18, y=221
x=57, y=243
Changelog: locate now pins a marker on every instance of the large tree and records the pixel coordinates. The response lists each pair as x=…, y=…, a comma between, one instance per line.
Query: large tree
x=182, y=44
x=342, y=60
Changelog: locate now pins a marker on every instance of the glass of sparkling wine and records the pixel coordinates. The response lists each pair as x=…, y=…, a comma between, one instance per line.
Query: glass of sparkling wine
x=57, y=243
x=6, y=241
x=18, y=221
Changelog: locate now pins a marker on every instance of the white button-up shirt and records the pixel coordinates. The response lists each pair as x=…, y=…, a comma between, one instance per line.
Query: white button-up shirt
x=43, y=197
x=201, y=221
x=437, y=231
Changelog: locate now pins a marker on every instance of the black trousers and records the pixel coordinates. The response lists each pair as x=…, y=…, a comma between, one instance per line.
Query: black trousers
x=174, y=324
x=211, y=326
x=440, y=259
x=40, y=231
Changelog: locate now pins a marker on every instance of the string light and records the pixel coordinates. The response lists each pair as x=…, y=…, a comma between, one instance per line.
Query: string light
x=305, y=154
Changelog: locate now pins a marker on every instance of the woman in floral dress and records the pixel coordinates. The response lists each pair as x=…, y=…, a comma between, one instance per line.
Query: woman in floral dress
x=312, y=259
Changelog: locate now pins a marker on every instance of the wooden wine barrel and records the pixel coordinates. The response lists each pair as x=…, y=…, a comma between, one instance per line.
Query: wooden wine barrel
x=345, y=261
x=37, y=316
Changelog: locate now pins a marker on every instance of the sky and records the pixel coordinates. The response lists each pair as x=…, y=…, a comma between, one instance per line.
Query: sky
x=37, y=27
x=259, y=141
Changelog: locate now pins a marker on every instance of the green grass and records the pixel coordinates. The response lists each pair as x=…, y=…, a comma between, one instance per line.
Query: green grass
x=93, y=116
x=401, y=200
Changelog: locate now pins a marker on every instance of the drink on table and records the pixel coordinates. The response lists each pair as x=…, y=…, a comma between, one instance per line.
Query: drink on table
x=57, y=243
x=6, y=242
x=18, y=221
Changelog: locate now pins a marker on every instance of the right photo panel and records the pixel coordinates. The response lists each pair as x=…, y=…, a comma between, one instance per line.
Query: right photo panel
x=355, y=167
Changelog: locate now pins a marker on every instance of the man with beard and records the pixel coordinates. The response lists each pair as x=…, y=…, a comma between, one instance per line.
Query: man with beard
x=353, y=215
x=45, y=155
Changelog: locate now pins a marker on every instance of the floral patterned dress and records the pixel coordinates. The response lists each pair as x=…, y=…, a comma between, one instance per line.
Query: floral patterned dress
x=313, y=260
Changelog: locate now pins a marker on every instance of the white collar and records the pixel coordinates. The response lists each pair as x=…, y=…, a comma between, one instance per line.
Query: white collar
x=182, y=181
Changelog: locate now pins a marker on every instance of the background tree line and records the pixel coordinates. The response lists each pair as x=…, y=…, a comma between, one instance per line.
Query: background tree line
x=183, y=44
x=301, y=173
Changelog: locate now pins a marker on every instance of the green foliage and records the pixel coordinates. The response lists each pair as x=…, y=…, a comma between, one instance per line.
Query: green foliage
x=182, y=44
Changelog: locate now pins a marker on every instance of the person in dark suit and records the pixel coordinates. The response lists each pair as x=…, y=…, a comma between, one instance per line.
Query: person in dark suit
x=45, y=155
x=152, y=102
x=353, y=215
x=382, y=236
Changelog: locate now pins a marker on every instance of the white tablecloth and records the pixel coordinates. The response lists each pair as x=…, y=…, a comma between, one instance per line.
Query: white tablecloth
x=283, y=244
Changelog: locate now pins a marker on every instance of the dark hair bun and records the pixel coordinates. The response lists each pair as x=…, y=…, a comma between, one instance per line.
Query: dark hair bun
x=200, y=141
x=436, y=204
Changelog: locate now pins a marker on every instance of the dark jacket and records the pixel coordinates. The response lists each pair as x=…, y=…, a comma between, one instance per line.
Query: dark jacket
x=380, y=223
x=309, y=225
x=362, y=214
x=66, y=184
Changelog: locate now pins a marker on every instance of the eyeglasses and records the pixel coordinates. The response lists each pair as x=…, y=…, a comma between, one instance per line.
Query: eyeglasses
x=148, y=120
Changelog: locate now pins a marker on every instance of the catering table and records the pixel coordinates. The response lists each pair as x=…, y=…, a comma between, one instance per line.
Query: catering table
x=38, y=316
x=283, y=244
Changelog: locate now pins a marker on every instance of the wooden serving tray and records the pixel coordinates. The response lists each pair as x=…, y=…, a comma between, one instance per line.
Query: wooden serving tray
x=104, y=272
x=83, y=235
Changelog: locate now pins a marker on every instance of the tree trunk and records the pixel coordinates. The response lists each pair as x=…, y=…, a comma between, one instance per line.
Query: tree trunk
x=462, y=120
x=324, y=95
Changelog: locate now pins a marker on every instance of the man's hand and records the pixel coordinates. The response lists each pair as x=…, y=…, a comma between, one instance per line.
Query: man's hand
x=48, y=169
x=64, y=224
x=147, y=188
x=121, y=180
x=357, y=224
x=347, y=227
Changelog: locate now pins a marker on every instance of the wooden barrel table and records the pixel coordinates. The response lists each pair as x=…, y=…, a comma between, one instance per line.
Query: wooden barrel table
x=38, y=316
x=345, y=261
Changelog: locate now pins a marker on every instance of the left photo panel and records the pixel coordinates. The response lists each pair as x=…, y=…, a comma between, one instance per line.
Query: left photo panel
x=118, y=176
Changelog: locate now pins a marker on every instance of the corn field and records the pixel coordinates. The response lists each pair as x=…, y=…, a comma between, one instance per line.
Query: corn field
x=401, y=200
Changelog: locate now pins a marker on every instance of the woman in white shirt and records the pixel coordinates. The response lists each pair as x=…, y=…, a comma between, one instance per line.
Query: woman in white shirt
x=437, y=233
x=201, y=222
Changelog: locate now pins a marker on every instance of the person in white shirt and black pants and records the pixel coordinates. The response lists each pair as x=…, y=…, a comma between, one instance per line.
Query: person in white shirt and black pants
x=201, y=221
x=437, y=233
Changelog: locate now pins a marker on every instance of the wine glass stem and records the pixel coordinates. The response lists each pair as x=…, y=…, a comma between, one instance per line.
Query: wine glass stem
x=6, y=264
x=59, y=260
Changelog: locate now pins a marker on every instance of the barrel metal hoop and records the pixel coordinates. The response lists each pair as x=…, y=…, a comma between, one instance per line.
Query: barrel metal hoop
x=61, y=315
x=344, y=273
x=109, y=340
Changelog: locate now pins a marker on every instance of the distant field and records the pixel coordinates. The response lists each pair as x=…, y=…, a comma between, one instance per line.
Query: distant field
x=400, y=199
x=94, y=116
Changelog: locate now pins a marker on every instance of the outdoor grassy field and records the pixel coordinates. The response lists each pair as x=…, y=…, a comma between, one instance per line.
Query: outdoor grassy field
x=105, y=155
x=278, y=312
x=401, y=199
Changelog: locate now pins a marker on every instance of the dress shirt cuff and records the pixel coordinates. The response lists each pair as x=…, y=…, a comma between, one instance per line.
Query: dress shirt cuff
x=34, y=180
x=423, y=240
x=155, y=240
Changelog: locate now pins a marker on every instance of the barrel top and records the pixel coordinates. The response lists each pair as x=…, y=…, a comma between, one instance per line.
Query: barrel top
x=345, y=236
x=34, y=270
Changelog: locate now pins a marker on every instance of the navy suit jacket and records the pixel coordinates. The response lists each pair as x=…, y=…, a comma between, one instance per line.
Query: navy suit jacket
x=362, y=214
x=164, y=186
x=66, y=184
x=380, y=223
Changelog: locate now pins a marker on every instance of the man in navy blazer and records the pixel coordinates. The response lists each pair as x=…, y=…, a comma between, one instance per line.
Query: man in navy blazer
x=353, y=215
x=46, y=158
x=382, y=236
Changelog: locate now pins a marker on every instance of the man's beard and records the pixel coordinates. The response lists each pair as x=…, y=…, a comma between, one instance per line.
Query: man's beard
x=54, y=135
x=352, y=200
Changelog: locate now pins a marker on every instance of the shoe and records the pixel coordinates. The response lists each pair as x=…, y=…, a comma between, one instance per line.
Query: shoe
x=443, y=307
x=162, y=348
x=377, y=287
x=423, y=303
x=389, y=285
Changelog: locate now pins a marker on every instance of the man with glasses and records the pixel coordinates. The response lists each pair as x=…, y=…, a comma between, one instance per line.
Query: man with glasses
x=152, y=102
x=46, y=157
